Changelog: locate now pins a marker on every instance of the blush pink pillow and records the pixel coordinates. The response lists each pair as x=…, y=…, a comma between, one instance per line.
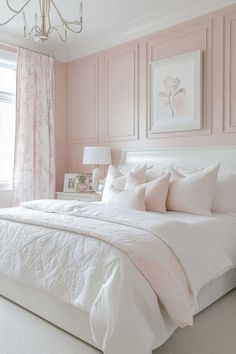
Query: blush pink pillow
x=132, y=199
x=192, y=193
x=224, y=200
x=155, y=191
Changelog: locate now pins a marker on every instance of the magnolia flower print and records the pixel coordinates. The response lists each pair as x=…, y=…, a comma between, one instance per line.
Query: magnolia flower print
x=172, y=90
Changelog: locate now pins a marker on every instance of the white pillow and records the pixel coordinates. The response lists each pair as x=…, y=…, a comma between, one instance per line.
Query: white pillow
x=116, y=178
x=157, y=171
x=224, y=200
x=132, y=199
x=112, y=173
x=192, y=193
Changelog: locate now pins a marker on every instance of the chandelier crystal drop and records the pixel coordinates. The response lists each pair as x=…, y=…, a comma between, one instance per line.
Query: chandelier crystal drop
x=43, y=27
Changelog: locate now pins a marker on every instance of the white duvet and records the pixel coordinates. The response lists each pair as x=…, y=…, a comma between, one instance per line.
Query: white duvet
x=40, y=245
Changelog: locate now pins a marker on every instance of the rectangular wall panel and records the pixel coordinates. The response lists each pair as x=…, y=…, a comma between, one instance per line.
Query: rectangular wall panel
x=121, y=94
x=83, y=101
x=230, y=73
x=188, y=39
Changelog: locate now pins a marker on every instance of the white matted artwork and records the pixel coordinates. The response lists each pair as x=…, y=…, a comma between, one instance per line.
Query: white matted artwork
x=175, y=93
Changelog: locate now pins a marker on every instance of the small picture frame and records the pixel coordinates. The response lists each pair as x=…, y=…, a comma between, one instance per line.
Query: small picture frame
x=99, y=186
x=70, y=182
x=89, y=181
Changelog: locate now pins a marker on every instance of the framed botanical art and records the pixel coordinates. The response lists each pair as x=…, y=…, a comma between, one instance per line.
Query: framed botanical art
x=175, y=93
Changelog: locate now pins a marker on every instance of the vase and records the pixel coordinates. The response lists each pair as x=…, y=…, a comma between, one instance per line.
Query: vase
x=82, y=187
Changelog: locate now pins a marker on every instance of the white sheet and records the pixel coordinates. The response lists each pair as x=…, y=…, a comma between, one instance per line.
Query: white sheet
x=100, y=279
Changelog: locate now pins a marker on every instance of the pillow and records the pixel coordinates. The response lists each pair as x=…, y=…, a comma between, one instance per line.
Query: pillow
x=132, y=199
x=112, y=173
x=118, y=179
x=192, y=193
x=137, y=172
x=224, y=200
x=156, y=172
x=155, y=191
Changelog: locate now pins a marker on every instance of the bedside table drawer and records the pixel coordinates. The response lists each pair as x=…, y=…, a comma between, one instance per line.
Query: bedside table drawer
x=82, y=197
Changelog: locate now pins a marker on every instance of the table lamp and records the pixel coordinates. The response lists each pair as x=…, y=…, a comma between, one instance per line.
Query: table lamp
x=97, y=155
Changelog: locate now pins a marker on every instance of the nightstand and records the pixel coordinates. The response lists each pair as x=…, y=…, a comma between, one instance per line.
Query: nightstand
x=83, y=197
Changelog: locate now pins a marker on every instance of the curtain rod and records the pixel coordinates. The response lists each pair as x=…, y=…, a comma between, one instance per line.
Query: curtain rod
x=36, y=51
x=11, y=46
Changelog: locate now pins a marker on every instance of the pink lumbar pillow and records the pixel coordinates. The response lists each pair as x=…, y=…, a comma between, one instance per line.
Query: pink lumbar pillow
x=132, y=199
x=224, y=200
x=192, y=193
x=155, y=191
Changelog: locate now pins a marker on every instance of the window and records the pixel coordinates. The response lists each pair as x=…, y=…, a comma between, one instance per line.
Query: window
x=7, y=117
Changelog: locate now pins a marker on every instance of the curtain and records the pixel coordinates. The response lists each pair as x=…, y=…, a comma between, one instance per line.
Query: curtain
x=34, y=168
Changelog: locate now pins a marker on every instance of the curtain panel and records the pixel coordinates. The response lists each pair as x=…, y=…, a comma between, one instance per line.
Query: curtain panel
x=34, y=168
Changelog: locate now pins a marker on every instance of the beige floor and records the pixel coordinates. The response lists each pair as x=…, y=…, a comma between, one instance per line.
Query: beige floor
x=214, y=332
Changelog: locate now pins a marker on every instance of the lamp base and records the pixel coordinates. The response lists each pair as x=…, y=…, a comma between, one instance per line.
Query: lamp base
x=98, y=173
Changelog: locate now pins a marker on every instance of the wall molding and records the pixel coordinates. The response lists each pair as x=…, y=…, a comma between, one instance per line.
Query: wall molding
x=229, y=125
x=204, y=29
x=93, y=64
x=122, y=51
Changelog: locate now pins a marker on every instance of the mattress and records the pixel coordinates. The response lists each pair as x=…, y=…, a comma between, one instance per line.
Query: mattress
x=77, y=322
x=205, y=246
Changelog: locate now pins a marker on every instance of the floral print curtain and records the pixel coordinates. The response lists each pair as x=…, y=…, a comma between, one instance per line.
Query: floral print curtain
x=34, y=170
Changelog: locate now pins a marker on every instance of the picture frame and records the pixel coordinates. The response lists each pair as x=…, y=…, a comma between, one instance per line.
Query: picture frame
x=99, y=186
x=89, y=182
x=70, y=182
x=175, y=93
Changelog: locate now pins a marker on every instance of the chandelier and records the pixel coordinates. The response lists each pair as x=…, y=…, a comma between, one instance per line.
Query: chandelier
x=43, y=27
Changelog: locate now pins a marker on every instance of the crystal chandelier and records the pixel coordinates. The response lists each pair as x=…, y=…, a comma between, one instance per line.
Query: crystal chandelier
x=43, y=28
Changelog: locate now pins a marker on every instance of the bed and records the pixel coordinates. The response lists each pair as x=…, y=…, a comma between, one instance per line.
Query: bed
x=56, y=304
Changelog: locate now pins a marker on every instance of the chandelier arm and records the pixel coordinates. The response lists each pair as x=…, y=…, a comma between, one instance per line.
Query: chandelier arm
x=15, y=12
x=59, y=34
x=48, y=18
x=64, y=22
x=49, y=25
x=73, y=30
x=11, y=8
x=58, y=12
x=37, y=28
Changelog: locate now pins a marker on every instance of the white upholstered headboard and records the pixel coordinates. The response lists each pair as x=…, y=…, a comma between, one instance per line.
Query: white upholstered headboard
x=185, y=157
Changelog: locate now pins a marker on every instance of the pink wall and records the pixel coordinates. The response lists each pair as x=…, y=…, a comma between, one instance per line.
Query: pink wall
x=108, y=100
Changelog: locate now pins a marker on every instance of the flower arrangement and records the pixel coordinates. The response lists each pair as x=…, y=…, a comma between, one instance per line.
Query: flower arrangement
x=81, y=177
x=82, y=185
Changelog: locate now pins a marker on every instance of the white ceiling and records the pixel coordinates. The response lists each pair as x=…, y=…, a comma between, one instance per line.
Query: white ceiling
x=106, y=22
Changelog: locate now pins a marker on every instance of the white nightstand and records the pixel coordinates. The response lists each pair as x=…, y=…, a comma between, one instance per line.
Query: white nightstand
x=83, y=197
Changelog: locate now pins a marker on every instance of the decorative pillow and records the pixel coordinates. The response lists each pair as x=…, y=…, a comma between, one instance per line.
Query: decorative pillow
x=157, y=171
x=192, y=193
x=118, y=179
x=132, y=199
x=155, y=191
x=224, y=200
x=137, y=172
x=112, y=173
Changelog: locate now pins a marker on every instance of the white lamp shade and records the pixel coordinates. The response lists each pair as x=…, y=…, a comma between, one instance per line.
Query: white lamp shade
x=97, y=155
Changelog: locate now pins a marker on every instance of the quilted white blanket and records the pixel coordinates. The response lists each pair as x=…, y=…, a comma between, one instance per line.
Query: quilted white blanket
x=111, y=262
